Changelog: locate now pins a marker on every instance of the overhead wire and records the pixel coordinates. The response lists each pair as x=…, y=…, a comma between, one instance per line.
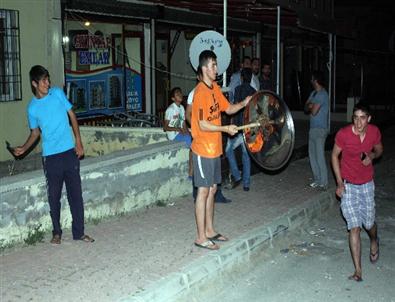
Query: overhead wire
x=91, y=30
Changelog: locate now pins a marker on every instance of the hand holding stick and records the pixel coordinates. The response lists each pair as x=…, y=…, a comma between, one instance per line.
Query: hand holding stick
x=252, y=125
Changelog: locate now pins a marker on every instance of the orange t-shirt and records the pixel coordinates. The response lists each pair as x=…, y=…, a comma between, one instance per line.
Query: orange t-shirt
x=210, y=102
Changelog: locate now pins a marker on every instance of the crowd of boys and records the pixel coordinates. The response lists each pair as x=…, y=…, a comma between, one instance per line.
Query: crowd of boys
x=50, y=115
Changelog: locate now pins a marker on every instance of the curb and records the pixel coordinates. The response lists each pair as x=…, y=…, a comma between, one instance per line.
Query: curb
x=237, y=251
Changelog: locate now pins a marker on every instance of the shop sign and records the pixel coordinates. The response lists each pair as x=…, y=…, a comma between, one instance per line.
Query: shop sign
x=94, y=57
x=85, y=41
x=133, y=91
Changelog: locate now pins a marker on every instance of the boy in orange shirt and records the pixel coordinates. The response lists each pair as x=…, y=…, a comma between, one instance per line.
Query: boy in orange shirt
x=206, y=126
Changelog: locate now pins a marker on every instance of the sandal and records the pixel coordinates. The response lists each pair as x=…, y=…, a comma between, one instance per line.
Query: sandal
x=355, y=277
x=56, y=239
x=218, y=237
x=375, y=257
x=207, y=245
x=87, y=238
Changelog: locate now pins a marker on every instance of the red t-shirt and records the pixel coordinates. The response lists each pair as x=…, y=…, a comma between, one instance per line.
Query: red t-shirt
x=351, y=167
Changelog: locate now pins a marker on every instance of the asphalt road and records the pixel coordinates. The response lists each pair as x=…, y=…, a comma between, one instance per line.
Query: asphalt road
x=313, y=262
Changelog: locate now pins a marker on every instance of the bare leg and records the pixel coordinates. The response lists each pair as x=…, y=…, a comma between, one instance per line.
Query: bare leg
x=190, y=164
x=210, y=212
x=373, y=243
x=355, y=248
x=200, y=213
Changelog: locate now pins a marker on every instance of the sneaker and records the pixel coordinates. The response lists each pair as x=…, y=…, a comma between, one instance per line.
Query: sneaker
x=246, y=189
x=314, y=185
x=232, y=184
x=220, y=198
x=223, y=199
x=235, y=184
x=86, y=238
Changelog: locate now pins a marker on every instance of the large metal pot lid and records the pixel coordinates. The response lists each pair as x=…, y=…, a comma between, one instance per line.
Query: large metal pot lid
x=270, y=144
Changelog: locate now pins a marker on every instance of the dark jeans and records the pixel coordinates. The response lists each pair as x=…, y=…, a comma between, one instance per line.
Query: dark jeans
x=59, y=168
x=231, y=145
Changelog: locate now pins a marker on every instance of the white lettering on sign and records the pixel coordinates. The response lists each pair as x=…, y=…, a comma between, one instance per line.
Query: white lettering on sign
x=94, y=57
x=91, y=41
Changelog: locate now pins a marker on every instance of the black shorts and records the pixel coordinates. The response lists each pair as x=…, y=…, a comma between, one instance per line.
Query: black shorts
x=206, y=171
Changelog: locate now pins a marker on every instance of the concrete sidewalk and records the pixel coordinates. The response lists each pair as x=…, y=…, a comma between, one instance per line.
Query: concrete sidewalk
x=132, y=252
x=133, y=255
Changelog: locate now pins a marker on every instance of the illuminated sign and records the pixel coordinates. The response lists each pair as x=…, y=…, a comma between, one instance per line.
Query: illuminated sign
x=91, y=42
x=94, y=57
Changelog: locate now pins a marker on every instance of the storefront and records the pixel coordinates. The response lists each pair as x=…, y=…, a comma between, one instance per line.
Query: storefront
x=103, y=67
x=133, y=54
x=130, y=56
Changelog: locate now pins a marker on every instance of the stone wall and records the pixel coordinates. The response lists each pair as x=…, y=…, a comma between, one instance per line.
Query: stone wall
x=97, y=141
x=112, y=184
x=104, y=140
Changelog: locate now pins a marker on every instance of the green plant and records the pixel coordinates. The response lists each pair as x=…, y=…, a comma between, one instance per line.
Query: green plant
x=34, y=235
x=96, y=220
x=3, y=246
x=160, y=203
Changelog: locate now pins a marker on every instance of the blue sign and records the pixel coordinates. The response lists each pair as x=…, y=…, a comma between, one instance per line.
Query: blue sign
x=94, y=57
x=101, y=91
x=133, y=91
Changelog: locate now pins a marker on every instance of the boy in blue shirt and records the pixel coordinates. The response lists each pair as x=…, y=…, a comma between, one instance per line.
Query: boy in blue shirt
x=49, y=112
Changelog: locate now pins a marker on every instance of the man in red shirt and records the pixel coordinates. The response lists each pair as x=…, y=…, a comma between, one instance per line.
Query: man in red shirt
x=208, y=103
x=358, y=144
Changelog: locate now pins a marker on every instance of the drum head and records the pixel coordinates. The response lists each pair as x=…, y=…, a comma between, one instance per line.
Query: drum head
x=271, y=144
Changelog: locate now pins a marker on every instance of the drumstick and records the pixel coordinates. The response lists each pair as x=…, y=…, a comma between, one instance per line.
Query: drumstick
x=255, y=124
x=252, y=125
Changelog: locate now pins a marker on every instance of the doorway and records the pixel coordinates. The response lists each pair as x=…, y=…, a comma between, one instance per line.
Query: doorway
x=134, y=71
x=162, y=73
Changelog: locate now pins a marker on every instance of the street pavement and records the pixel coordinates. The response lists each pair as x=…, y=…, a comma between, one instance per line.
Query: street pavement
x=313, y=262
x=132, y=253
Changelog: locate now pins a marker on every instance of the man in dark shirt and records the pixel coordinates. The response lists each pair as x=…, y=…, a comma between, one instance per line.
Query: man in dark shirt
x=265, y=80
x=241, y=92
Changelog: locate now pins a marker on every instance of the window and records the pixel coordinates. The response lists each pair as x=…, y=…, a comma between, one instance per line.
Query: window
x=10, y=64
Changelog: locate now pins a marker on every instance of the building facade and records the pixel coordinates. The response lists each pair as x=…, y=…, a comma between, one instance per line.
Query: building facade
x=112, y=56
x=31, y=34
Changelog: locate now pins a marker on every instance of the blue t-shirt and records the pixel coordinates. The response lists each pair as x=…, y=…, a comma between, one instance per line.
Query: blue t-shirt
x=320, y=120
x=50, y=115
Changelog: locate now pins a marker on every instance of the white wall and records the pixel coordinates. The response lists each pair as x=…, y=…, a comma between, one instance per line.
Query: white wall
x=180, y=64
x=40, y=43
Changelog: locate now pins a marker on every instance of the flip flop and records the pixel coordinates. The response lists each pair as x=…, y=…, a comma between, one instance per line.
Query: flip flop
x=375, y=257
x=218, y=237
x=207, y=245
x=56, y=239
x=86, y=238
x=355, y=278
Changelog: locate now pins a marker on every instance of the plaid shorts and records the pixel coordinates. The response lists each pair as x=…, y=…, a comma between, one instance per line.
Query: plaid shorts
x=358, y=206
